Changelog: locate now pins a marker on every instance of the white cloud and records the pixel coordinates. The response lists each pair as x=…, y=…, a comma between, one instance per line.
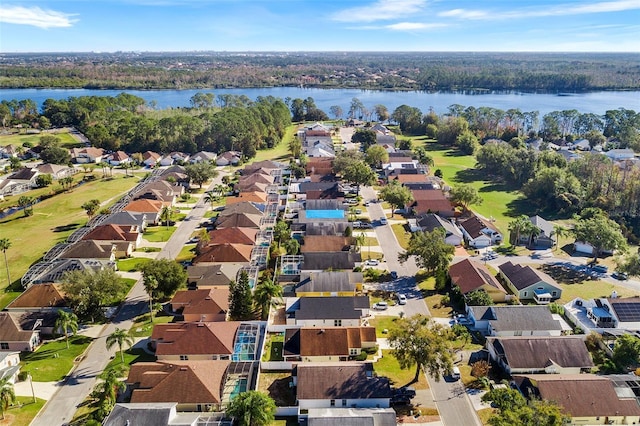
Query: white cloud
x=381, y=10
x=464, y=14
x=35, y=16
x=413, y=26
x=560, y=10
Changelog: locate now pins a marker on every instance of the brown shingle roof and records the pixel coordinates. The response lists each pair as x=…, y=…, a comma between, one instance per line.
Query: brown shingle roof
x=344, y=381
x=239, y=220
x=93, y=249
x=256, y=178
x=184, y=382
x=225, y=252
x=582, y=395
x=10, y=331
x=113, y=232
x=541, y=352
x=475, y=224
x=407, y=178
x=327, y=341
x=254, y=196
x=191, y=338
x=242, y=207
x=144, y=206
x=469, y=275
x=233, y=234
x=198, y=302
x=40, y=296
x=325, y=243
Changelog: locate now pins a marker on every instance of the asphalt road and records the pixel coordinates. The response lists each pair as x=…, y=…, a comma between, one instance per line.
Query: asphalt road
x=452, y=402
x=59, y=410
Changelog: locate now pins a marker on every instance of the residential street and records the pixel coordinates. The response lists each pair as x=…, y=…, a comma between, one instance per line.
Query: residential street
x=59, y=410
x=451, y=400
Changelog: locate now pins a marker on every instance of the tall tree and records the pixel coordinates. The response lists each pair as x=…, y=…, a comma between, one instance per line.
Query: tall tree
x=89, y=291
x=264, y=295
x=120, y=337
x=150, y=286
x=365, y=137
x=252, y=408
x=376, y=155
x=5, y=244
x=7, y=395
x=200, y=173
x=169, y=275
x=421, y=342
x=359, y=173
x=626, y=352
x=396, y=194
x=166, y=214
x=429, y=250
x=513, y=409
x=601, y=232
x=67, y=322
x=518, y=227
x=106, y=392
x=465, y=195
x=211, y=197
x=240, y=301
x=91, y=207
x=336, y=111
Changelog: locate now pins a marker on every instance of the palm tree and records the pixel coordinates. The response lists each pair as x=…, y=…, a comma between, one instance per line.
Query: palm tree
x=119, y=337
x=7, y=395
x=106, y=392
x=211, y=198
x=67, y=322
x=264, y=295
x=559, y=231
x=252, y=408
x=5, y=244
x=166, y=215
x=518, y=227
x=150, y=285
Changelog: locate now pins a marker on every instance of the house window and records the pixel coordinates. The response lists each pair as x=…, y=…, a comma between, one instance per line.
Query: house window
x=333, y=402
x=353, y=351
x=344, y=402
x=184, y=357
x=525, y=294
x=517, y=333
x=4, y=345
x=337, y=323
x=554, y=294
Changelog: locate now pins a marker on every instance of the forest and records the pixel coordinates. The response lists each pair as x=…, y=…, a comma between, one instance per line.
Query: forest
x=428, y=71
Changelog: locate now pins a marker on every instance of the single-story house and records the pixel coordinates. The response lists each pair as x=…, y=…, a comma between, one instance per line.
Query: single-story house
x=119, y=158
x=39, y=297
x=212, y=274
x=194, y=340
x=540, y=354
x=326, y=243
x=87, y=155
x=229, y=158
x=150, y=158
x=431, y=201
x=545, y=238
x=430, y=222
x=479, y=232
x=126, y=218
x=588, y=399
x=205, y=305
x=152, y=414
x=151, y=208
x=56, y=171
x=469, y=276
x=203, y=157
x=239, y=220
x=224, y=252
x=193, y=385
x=19, y=181
x=232, y=235
x=321, y=261
x=326, y=311
x=252, y=196
x=344, y=385
x=116, y=233
x=530, y=284
x=312, y=344
x=350, y=416
x=620, y=154
x=615, y=312
x=104, y=250
x=517, y=320
x=14, y=338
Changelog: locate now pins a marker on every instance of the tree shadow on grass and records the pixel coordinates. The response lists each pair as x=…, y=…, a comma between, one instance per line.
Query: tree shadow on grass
x=65, y=228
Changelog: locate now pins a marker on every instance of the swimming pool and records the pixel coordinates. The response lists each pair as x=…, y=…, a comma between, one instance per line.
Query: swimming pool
x=325, y=214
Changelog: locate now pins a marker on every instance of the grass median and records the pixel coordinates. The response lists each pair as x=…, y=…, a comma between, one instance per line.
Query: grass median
x=52, y=361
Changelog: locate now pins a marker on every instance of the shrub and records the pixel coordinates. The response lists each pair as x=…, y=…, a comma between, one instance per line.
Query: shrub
x=361, y=356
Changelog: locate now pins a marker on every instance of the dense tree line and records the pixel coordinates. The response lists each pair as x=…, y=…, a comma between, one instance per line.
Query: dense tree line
x=124, y=122
x=365, y=70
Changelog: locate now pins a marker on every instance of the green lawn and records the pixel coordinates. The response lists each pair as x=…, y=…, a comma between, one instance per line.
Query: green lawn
x=499, y=201
x=485, y=414
x=131, y=356
x=23, y=411
x=432, y=299
x=402, y=235
x=53, y=221
x=591, y=290
x=388, y=366
x=66, y=139
x=158, y=234
x=52, y=361
x=142, y=327
x=273, y=348
x=279, y=152
x=381, y=323
x=132, y=264
x=186, y=253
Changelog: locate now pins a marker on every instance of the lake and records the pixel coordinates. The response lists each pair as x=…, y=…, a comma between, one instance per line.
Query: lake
x=593, y=102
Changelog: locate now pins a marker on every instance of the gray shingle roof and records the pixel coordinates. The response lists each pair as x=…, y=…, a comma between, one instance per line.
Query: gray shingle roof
x=540, y=352
x=334, y=281
x=504, y=318
x=331, y=307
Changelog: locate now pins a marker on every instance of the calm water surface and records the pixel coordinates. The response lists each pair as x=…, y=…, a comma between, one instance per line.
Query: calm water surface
x=594, y=102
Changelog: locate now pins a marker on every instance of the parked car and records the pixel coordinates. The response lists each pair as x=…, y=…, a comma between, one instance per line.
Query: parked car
x=356, y=224
x=455, y=373
x=402, y=299
x=622, y=276
x=366, y=225
x=405, y=390
x=393, y=274
x=381, y=306
x=372, y=262
x=383, y=221
x=600, y=268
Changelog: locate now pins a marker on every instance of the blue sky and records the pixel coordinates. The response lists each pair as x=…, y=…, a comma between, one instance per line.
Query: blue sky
x=313, y=25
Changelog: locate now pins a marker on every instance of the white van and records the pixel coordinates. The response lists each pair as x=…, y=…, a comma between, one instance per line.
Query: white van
x=455, y=373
